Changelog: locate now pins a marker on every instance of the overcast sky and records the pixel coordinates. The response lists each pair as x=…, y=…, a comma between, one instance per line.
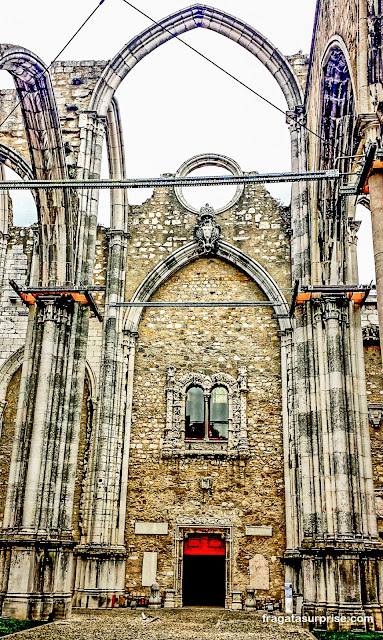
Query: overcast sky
x=174, y=104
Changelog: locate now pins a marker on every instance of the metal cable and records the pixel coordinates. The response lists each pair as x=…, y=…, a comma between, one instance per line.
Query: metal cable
x=202, y=55
x=55, y=58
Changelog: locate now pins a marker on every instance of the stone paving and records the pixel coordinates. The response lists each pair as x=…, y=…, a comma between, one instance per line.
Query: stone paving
x=176, y=624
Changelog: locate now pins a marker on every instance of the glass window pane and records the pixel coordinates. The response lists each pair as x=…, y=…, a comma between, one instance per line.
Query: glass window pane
x=219, y=414
x=194, y=415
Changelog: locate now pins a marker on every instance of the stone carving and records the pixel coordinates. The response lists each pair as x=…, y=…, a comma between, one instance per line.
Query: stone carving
x=250, y=602
x=236, y=600
x=169, y=599
x=207, y=232
x=379, y=506
x=371, y=333
x=155, y=597
x=204, y=521
x=259, y=572
x=237, y=445
x=375, y=414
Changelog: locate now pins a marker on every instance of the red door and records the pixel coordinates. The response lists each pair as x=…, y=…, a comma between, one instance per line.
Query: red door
x=204, y=570
x=204, y=545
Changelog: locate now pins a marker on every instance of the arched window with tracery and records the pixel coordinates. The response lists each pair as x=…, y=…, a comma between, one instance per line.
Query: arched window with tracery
x=206, y=415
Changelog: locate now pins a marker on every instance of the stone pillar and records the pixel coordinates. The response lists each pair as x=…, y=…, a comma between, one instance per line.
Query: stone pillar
x=300, y=252
x=4, y=213
x=36, y=541
x=376, y=207
x=353, y=227
x=43, y=403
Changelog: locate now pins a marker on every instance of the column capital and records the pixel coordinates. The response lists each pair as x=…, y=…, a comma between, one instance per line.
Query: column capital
x=296, y=117
x=353, y=228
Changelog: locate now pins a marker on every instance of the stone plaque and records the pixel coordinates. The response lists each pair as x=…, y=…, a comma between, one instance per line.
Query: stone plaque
x=259, y=572
x=149, y=568
x=151, y=528
x=259, y=531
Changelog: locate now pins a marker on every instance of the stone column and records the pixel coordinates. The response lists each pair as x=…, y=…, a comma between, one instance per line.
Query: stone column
x=376, y=207
x=3, y=227
x=353, y=228
x=300, y=257
x=43, y=402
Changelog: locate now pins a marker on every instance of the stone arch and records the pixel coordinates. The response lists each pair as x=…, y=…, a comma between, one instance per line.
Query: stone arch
x=15, y=161
x=92, y=122
x=336, y=118
x=238, y=259
x=206, y=382
x=43, y=130
x=190, y=252
x=185, y=20
x=116, y=159
x=337, y=41
x=336, y=75
x=14, y=362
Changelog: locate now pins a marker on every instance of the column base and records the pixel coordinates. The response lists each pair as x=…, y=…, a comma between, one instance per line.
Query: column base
x=37, y=580
x=340, y=586
x=100, y=577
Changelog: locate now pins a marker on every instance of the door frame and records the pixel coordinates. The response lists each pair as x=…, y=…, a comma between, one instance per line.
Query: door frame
x=204, y=525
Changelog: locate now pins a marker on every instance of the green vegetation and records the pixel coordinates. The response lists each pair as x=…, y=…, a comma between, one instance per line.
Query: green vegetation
x=8, y=625
x=348, y=635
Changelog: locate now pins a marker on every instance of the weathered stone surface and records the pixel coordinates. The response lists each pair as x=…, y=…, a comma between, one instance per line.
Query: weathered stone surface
x=259, y=572
x=149, y=568
x=151, y=528
x=259, y=531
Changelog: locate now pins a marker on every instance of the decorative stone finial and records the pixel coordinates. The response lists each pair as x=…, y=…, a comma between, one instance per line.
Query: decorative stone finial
x=207, y=232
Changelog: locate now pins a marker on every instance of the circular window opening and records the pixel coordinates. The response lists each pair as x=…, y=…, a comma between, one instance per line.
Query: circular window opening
x=220, y=197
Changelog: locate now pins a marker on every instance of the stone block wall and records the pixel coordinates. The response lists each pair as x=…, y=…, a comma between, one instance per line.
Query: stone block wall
x=249, y=492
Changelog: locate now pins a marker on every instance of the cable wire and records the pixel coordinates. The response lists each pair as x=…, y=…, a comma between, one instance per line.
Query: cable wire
x=55, y=58
x=226, y=72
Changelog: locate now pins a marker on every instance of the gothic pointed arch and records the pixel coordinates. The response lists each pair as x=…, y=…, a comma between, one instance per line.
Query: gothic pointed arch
x=185, y=20
x=190, y=252
x=43, y=130
x=15, y=161
x=337, y=129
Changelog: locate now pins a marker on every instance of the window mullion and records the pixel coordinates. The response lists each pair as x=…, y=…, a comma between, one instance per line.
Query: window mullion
x=207, y=397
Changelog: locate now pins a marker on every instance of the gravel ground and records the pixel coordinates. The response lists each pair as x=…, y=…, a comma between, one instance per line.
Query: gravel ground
x=176, y=624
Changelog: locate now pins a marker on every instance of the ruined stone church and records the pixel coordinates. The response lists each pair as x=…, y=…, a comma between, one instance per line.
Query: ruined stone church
x=226, y=446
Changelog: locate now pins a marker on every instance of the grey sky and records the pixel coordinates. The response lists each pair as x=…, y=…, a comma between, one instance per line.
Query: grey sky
x=173, y=104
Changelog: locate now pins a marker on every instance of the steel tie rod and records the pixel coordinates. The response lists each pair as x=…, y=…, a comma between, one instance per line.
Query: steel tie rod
x=145, y=183
x=249, y=303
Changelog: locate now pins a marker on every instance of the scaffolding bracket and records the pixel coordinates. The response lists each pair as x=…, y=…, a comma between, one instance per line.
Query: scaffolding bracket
x=358, y=294
x=361, y=184
x=36, y=295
